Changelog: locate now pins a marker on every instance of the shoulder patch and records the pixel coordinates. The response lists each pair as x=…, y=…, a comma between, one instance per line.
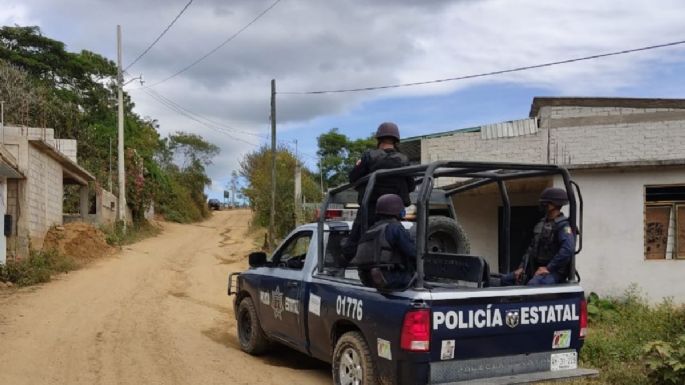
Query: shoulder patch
x=567, y=230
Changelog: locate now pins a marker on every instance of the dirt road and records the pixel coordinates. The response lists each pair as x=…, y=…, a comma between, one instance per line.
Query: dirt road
x=155, y=313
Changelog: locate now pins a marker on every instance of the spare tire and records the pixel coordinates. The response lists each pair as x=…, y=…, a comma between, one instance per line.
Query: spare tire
x=445, y=235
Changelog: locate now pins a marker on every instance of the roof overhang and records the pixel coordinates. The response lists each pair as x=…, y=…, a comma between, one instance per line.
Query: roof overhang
x=73, y=173
x=628, y=165
x=539, y=102
x=8, y=165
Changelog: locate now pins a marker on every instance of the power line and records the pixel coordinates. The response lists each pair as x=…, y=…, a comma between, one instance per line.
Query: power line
x=170, y=106
x=212, y=122
x=229, y=39
x=160, y=36
x=516, y=69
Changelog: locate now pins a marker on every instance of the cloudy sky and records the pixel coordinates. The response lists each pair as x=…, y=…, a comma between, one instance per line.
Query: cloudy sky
x=322, y=45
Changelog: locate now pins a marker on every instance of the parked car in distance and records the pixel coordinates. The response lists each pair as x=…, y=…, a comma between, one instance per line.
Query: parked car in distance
x=214, y=204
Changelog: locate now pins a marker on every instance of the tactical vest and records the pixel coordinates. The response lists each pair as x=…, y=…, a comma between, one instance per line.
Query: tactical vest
x=546, y=240
x=381, y=159
x=374, y=249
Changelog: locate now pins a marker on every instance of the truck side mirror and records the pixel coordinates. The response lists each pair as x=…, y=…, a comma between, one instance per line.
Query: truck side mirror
x=257, y=259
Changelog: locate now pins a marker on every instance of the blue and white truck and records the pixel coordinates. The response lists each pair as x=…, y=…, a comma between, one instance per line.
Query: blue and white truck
x=453, y=325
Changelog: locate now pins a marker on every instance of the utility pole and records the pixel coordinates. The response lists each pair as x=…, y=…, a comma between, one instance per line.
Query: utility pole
x=272, y=218
x=2, y=119
x=298, y=188
x=121, y=215
x=109, y=178
x=234, y=182
x=321, y=174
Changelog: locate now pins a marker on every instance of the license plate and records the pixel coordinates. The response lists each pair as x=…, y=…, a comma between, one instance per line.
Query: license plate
x=563, y=361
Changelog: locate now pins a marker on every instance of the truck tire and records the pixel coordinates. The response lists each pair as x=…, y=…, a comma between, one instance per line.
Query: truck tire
x=250, y=334
x=352, y=362
x=445, y=235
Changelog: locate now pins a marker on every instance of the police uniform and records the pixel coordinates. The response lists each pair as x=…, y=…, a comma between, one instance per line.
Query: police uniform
x=387, y=248
x=553, y=247
x=372, y=160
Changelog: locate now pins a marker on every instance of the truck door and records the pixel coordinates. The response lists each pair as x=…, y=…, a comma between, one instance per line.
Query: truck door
x=282, y=290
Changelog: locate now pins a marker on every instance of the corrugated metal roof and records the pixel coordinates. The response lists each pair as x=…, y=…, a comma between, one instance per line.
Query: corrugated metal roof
x=509, y=129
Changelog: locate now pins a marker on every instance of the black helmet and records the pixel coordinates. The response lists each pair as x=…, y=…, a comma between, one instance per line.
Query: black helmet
x=555, y=196
x=390, y=204
x=388, y=130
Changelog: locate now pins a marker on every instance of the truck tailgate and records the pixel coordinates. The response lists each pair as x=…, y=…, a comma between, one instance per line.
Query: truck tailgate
x=502, y=332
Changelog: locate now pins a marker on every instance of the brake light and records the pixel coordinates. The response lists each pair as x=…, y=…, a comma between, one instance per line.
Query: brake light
x=329, y=214
x=583, y=318
x=416, y=331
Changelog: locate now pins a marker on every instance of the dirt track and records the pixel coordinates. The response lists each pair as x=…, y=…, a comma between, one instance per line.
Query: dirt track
x=155, y=313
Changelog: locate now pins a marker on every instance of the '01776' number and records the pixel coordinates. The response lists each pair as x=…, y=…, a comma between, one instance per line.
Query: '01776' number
x=349, y=307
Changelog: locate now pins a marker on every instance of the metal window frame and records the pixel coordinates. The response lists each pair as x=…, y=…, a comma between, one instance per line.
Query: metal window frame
x=674, y=208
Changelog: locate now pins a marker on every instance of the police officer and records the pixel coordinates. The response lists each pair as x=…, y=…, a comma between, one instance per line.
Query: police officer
x=386, y=256
x=550, y=253
x=385, y=156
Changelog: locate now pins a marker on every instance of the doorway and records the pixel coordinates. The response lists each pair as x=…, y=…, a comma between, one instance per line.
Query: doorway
x=523, y=219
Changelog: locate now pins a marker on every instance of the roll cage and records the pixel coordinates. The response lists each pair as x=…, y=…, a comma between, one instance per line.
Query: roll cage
x=475, y=175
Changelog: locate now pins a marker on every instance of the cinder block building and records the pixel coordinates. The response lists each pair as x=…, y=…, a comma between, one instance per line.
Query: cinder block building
x=37, y=167
x=627, y=155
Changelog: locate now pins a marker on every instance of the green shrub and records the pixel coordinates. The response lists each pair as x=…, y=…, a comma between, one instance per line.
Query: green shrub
x=37, y=268
x=115, y=235
x=666, y=361
x=619, y=329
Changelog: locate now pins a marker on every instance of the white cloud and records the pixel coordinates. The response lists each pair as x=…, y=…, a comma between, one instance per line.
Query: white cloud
x=308, y=44
x=16, y=14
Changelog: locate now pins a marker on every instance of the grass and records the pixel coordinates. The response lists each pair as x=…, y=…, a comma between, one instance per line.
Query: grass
x=619, y=330
x=136, y=232
x=37, y=268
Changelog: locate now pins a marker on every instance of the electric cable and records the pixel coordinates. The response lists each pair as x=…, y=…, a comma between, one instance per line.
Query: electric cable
x=480, y=75
x=229, y=39
x=160, y=36
x=191, y=117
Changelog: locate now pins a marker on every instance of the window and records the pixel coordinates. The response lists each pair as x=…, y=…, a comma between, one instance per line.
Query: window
x=665, y=222
x=293, y=253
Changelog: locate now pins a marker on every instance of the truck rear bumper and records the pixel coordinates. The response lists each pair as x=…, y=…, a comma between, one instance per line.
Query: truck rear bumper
x=528, y=378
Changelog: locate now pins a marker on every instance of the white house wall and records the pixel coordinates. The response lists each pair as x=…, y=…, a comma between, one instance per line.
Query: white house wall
x=478, y=216
x=613, y=242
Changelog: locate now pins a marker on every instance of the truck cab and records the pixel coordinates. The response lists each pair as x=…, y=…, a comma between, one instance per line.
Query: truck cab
x=454, y=324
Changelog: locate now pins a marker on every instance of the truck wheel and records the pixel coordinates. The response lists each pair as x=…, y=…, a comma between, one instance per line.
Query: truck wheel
x=352, y=363
x=250, y=334
x=445, y=235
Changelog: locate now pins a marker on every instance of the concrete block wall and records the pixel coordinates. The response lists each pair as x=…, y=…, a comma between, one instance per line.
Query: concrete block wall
x=67, y=147
x=556, y=112
x=45, y=192
x=654, y=136
x=575, y=135
x=107, y=207
x=471, y=147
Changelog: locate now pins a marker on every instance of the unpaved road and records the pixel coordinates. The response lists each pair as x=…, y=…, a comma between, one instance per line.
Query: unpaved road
x=155, y=313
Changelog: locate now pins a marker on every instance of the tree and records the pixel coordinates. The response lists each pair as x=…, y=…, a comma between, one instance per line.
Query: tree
x=339, y=154
x=256, y=169
x=183, y=158
x=44, y=85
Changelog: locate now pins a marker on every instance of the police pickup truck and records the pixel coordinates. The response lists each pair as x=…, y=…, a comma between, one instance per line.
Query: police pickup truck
x=453, y=325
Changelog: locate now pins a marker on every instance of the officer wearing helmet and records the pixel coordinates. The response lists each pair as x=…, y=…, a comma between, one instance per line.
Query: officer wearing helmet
x=384, y=156
x=386, y=255
x=550, y=253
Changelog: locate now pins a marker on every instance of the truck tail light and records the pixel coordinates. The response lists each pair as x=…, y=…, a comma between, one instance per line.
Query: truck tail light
x=329, y=214
x=583, y=318
x=416, y=331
